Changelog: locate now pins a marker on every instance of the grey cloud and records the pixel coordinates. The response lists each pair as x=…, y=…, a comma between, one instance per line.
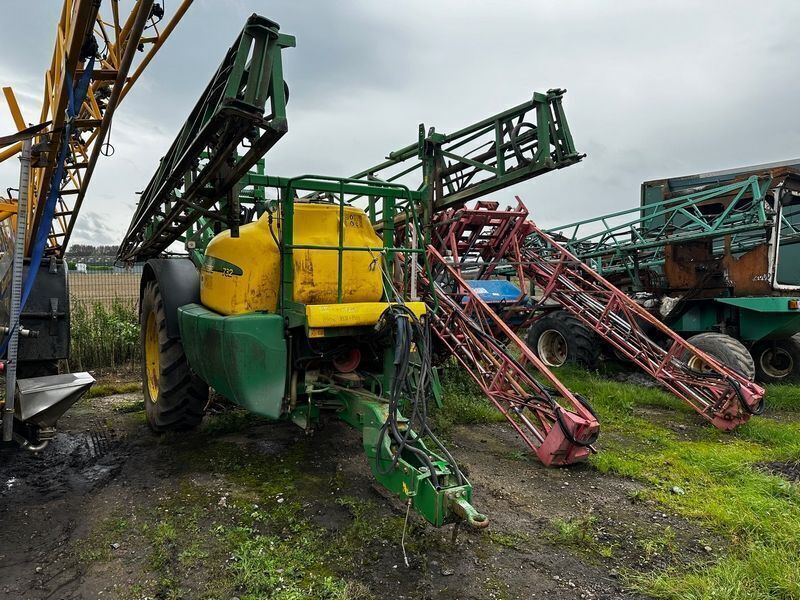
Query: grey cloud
x=655, y=89
x=93, y=228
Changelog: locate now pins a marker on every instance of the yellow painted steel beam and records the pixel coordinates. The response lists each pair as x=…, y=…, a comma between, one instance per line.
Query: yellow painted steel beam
x=120, y=34
x=162, y=37
x=12, y=150
x=13, y=106
x=77, y=19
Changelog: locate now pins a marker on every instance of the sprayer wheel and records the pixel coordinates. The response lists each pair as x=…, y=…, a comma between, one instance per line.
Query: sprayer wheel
x=558, y=338
x=174, y=397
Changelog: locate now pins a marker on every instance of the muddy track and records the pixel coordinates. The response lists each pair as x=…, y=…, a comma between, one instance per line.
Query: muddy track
x=44, y=500
x=105, y=463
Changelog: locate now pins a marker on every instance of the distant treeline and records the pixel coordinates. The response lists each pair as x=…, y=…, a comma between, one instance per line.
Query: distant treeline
x=81, y=250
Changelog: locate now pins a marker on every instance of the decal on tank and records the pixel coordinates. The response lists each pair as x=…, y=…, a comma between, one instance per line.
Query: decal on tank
x=217, y=265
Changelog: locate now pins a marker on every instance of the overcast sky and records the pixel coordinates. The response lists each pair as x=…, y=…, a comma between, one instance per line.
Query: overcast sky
x=655, y=89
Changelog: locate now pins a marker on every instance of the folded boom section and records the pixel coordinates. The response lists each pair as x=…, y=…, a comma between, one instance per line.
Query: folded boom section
x=464, y=323
x=482, y=239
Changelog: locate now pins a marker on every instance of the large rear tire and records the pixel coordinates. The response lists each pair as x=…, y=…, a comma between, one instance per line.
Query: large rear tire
x=777, y=361
x=559, y=338
x=727, y=350
x=174, y=397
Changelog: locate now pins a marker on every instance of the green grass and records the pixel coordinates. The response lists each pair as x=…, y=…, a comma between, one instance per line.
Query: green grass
x=103, y=337
x=96, y=547
x=726, y=491
x=580, y=533
x=661, y=543
x=783, y=397
x=259, y=543
x=100, y=390
x=464, y=402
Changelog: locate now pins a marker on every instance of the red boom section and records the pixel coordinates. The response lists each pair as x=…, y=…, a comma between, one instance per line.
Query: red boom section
x=466, y=325
x=480, y=239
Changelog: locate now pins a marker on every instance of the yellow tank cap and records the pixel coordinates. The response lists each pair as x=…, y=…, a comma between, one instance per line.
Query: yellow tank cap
x=355, y=314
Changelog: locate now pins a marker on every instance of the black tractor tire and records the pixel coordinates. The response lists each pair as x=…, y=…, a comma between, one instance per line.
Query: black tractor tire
x=559, y=338
x=175, y=398
x=777, y=361
x=37, y=368
x=727, y=350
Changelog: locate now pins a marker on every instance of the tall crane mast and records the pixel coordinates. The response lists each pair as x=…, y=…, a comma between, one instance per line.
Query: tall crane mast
x=94, y=40
x=100, y=52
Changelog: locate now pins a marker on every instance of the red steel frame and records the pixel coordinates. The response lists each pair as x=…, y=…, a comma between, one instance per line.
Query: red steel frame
x=466, y=324
x=719, y=394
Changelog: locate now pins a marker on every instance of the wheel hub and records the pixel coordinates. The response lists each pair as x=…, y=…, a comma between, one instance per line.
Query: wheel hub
x=776, y=362
x=698, y=364
x=552, y=348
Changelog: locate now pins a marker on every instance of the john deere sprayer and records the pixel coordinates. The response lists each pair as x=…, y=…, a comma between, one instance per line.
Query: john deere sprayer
x=299, y=296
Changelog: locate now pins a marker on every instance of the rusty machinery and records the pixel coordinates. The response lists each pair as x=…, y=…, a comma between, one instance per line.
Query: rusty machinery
x=714, y=256
x=484, y=242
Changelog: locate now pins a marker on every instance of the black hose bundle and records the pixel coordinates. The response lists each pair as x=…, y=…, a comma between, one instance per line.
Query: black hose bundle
x=409, y=331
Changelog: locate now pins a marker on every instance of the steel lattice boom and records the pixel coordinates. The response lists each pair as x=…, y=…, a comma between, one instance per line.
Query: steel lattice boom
x=517, y=144
x=245, y=103
x=122, y=47
x=466, y=325
x=719, y=394
x=632, y=239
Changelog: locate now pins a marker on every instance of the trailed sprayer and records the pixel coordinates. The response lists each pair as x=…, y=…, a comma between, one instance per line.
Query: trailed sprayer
x=299, y=296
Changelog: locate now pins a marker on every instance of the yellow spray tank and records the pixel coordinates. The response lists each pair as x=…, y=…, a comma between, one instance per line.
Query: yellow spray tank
x=242, y=275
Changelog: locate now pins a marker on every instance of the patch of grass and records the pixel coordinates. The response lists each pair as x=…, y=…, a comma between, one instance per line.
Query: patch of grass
x=749, y=572
x=509, y=540
x=495, y=587
x=96, y=547
x=783, y=397
x=523, y=455
x=259, y=542
x=463, y=401
x=162, y=537
x=580, y=533
x=759, y=513
x=100, y=390
x=573, y=532
x=365, y=525
x=662, y=543
x=134, y=406
x=102, y=336
x=271, y=566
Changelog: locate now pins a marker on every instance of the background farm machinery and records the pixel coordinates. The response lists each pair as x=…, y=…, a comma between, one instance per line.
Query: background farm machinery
x=713, y=256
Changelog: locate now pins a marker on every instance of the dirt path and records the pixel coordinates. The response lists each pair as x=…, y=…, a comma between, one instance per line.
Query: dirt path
x=110, y=511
